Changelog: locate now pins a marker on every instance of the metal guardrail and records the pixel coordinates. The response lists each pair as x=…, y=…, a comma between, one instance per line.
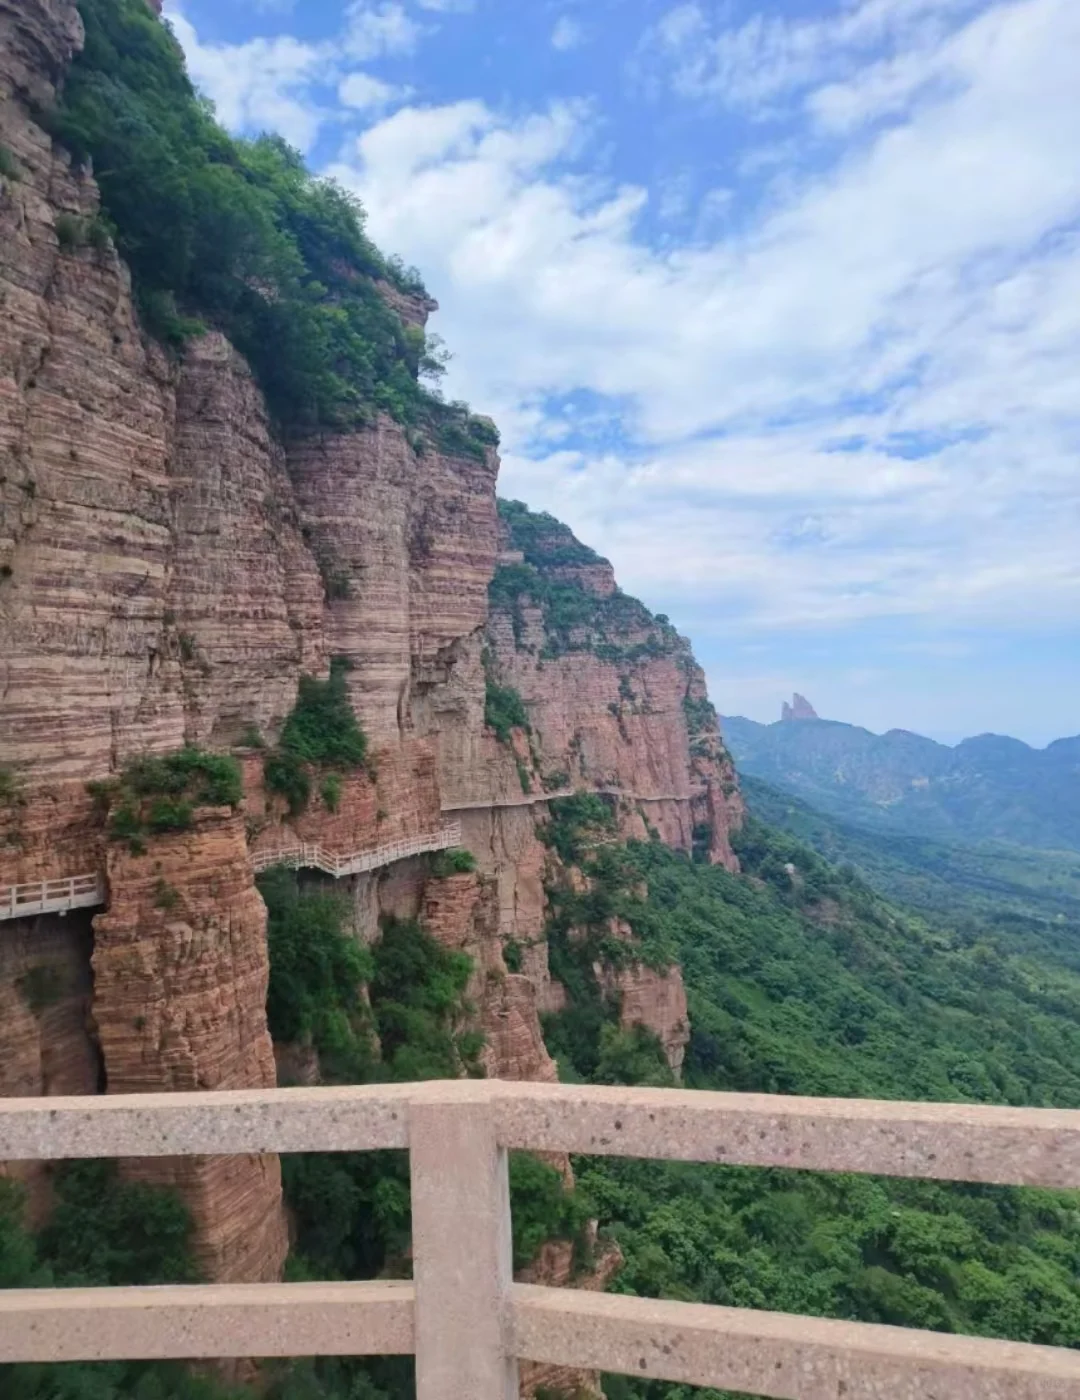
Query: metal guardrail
x=51, y=896
x=310, y=855
x=465, y=1319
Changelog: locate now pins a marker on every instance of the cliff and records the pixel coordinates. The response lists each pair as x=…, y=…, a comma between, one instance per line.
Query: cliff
x=178, y=559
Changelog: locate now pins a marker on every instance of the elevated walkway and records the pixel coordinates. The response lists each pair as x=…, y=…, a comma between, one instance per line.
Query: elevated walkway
x=51, y=896
x=533, y=799
x=88, y=891
x=310, y=856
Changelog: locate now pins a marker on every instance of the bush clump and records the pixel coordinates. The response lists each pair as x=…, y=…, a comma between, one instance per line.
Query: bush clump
x=456, y=861
x=160, y=794
x=322, y=727
x=504, y=710
x=321, y=731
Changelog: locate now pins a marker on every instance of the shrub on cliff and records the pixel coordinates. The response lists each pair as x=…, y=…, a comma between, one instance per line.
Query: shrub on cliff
x=160, y=793
x=456, y=861
x=208, y=779
x=322, y=727
x=504, y=710
x=321, y=731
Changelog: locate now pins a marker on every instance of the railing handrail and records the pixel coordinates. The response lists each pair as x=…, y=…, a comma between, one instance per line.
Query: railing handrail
x=466, y=1320
x=317, y=857
x=20, y=901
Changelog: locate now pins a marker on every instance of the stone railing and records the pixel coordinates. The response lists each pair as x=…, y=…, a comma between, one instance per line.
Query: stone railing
x=462, y=1316
x=51, y=896
x=311, y=856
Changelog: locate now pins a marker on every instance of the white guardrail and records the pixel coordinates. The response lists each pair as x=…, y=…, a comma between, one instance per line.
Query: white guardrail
x=310, y=855
x=88, y=891
x=51, y=896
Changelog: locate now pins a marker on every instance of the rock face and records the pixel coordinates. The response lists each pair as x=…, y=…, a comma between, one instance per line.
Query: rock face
x=800, y=708
x=615, y=700
x=180, y=975
x=651, y=997
x=168, y=571
x=48, y=1046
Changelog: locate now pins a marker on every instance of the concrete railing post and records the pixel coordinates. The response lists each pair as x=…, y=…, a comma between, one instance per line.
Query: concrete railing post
x=462, y=1253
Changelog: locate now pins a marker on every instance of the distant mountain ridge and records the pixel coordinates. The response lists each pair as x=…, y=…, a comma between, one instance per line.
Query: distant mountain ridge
x=988, y=788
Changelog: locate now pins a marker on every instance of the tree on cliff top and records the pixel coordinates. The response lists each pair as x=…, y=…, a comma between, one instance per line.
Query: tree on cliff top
x=238, y=234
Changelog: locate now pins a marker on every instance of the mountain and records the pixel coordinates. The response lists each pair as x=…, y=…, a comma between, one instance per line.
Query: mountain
x=989, y=788
x=1009, y=887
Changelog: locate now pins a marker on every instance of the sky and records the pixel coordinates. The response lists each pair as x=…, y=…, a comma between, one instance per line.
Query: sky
x=776, y=304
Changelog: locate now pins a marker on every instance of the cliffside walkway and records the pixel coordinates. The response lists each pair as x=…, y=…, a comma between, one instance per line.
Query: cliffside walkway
x=88, y=891
x=310, y=856
x=462, y=1315
x=51, y=896
x=532, y=799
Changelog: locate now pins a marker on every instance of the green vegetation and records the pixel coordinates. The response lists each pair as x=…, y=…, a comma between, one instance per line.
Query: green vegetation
x=813, y=984
x=237, y=234
x=42, y=985
x=543, y=539
x=331, y=792
x=317, y=970
x=1017, y=889
x=322, y=727
x=103, y=1231
x=351, y=1211
x=504, y=710
x=575, y=618
x=9, y=166
x=416, y=996
x=456, y=861
x=543, y=1209
x=321, y=731
x=73, y=233
x=11, y=789
x=160, y=794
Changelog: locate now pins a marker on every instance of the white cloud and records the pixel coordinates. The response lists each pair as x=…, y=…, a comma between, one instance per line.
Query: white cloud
x=283, y=84
x=861, y=403
x=766, y=55
x=364, y=93
x=373, y=30
x=568, y=33
x=460, y=7
x=263, y=84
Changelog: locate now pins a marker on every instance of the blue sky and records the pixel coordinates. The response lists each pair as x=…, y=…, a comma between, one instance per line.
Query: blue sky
x=777, y=304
